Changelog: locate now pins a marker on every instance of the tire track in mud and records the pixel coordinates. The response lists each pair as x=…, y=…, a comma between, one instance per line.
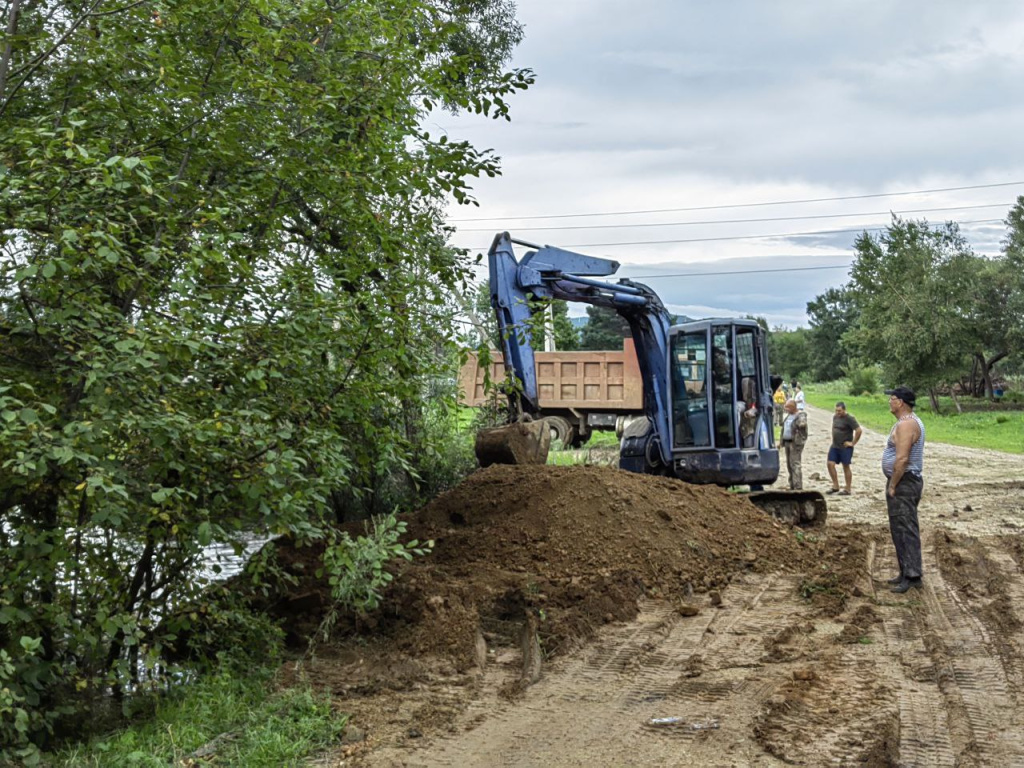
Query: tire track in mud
x=830, y=706
x=594, y=709
x=958, y=704
x=971, y=655
x=1012, y=584
x=926, y=732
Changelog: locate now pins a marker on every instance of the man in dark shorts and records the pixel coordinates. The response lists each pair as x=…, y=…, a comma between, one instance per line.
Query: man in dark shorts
x=846, y=433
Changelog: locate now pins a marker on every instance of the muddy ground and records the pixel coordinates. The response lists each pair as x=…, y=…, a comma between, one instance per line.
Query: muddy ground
x=564, y=613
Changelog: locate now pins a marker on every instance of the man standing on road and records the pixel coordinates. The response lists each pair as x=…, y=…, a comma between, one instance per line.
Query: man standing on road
x=794, y=435
x=902, y=463
x=846, y=433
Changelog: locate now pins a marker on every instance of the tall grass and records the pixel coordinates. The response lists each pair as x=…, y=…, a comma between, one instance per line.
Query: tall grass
x=240, y=714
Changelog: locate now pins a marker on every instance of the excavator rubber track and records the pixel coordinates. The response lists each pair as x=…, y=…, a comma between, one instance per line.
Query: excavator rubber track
x=806, y=509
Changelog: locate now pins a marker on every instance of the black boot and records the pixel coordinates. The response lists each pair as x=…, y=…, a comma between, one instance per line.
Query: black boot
x=895, y=579
x=906, y=584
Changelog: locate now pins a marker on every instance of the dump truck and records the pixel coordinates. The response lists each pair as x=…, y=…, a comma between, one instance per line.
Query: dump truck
x=705, y=385
x=578, y=392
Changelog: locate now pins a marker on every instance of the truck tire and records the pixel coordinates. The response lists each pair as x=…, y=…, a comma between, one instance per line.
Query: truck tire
x=561, y=430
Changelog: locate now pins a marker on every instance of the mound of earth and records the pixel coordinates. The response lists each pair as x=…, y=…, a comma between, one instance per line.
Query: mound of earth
x=561, y=549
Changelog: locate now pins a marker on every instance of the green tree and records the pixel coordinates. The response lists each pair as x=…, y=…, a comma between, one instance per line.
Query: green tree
x=910, y=283
x=567, y=338
x=223, y=292
x=789, y=353
x=831, y=316
x=605, y=329
x=1012, y=275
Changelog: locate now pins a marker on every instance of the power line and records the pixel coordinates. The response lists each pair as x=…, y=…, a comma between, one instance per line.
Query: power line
x=749, y=221
x=748, y=205
x=737, y=237
x=737, y=272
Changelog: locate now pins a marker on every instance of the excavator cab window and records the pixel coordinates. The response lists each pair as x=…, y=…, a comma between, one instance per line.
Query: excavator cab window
x=689, y=363
x=746, y=369
x=727, y=406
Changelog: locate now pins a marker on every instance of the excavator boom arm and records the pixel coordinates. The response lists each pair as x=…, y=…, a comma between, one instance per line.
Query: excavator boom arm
x=553, y=273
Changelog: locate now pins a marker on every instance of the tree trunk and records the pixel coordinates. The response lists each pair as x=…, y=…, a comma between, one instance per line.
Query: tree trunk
x=42, y=509
x=956, y=402
x=974, y=376
x=5, y=58
x=934, y=398
x=986, y=371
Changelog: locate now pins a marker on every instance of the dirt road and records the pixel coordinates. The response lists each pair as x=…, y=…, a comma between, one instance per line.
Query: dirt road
x=933, y=678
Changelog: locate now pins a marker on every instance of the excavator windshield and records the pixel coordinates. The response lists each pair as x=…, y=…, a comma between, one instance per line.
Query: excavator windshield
x=689, y=358
x=716, y=388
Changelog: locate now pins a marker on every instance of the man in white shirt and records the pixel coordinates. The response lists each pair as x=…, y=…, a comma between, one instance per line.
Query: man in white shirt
x=798, y=396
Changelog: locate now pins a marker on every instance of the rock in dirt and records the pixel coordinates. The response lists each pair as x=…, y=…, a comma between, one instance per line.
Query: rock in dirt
x=352, y=734
x=688, y=609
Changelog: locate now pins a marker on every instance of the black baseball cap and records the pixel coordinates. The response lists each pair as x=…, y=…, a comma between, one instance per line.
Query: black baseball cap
x=906, y=394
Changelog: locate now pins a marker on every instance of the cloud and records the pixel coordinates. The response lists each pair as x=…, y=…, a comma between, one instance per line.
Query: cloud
x=687, y=105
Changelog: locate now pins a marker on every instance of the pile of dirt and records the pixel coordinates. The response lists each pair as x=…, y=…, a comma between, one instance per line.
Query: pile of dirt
x=565, y=549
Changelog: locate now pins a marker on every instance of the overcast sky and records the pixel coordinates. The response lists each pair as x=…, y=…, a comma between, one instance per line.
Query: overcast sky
x=660, y=104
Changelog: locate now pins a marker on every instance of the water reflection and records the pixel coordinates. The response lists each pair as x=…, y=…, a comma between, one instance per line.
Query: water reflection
x=222, y=561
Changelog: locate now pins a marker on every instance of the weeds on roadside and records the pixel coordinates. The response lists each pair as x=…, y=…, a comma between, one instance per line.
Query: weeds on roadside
x=238, y=716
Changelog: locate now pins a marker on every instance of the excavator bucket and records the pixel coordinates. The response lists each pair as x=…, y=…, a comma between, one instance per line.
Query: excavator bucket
x=524, y=442
x=806, y=509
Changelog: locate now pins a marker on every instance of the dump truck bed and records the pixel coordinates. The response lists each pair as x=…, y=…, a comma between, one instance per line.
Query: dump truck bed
x=607, y=381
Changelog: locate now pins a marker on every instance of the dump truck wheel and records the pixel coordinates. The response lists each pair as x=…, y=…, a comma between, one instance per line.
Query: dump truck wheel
x=561, y=430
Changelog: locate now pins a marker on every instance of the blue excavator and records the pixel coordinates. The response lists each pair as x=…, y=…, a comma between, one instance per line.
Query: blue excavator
x=707, y=391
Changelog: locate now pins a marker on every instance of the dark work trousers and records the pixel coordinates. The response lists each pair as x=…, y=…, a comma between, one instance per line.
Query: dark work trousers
x=906, y=534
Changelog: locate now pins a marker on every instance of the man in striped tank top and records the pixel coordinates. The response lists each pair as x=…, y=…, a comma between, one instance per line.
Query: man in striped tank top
x=902, y=463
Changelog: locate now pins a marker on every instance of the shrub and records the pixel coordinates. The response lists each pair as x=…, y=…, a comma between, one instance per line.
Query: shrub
x=863, y=381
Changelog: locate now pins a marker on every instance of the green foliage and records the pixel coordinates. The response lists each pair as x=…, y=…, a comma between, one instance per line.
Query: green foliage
x=863, y=381
x=912, y=284
x=224, y=295
x=24, y=678
x=790, y=353
x=925, y=308
x=356, y=570
x=486, y=324
x=240, y=714
x=832, y=315
x=605, y=329
x=556, y=313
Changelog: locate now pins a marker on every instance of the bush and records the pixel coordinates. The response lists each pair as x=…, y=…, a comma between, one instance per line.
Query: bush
x=24, y=718
x=863, y=381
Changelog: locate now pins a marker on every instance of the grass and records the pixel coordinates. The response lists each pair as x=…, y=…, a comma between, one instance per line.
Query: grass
x=999, y=430
x=602, y=448
x=256, y=725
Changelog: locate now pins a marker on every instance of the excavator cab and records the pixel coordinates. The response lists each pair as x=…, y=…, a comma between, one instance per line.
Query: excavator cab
x=720, y=429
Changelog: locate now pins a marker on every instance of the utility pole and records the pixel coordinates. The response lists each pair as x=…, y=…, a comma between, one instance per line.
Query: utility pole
x=549, y=327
